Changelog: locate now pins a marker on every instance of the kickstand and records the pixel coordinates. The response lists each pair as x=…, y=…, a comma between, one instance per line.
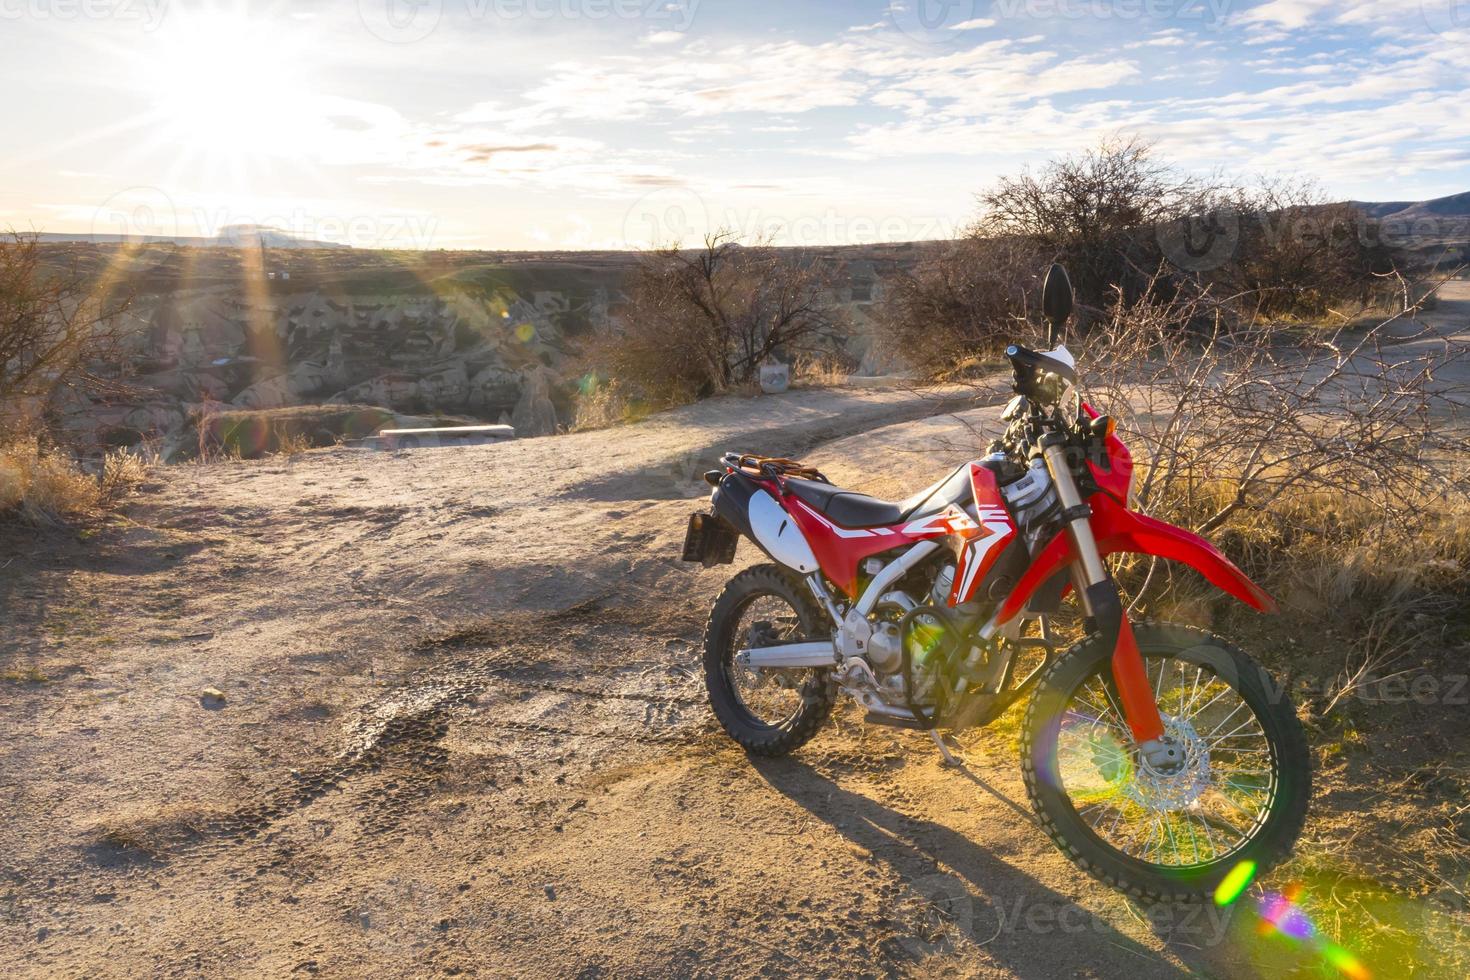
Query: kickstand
x=949, y=760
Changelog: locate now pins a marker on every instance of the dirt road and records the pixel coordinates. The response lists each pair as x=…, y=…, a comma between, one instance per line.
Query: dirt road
x=462, y=731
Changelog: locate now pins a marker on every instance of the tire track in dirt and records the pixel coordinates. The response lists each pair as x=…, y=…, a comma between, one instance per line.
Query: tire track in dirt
x=396, y=739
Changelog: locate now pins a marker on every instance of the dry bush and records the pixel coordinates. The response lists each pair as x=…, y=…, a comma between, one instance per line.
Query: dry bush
x=959, y=307
x=1098, y=213
x=1327, y=465
x=823, y=370
x=1129, y=227
x=42, y=486
x=1297, y=253
x=701, y=321
x=232, y=433
x=53, y=323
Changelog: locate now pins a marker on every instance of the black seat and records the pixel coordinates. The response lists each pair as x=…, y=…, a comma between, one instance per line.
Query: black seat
x=845, y=507
x=858, y=510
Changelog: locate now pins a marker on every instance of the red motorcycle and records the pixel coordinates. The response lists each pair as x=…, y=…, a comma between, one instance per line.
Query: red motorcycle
x=1161, y=759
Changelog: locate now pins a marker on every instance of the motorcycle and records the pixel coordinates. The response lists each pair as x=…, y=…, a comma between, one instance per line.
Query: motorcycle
x=1159, y=758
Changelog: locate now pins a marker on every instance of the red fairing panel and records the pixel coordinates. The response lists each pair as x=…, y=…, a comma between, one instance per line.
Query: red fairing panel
x=1117, y=479
x=1120, y=530
x=987, y=542
x=839, y=550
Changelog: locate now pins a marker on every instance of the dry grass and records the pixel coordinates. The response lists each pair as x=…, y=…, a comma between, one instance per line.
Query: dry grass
x=231, y=433
x=821, y=370
x=45, y=487
x=602, y=405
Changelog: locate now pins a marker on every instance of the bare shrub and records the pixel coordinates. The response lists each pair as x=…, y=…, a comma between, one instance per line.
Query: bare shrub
x=1299, y=254
x=701, y=321
x=1326, y=464
x=122, y=471
x=42, y=486
x=1098, y=213
x=1125, y=224
x=959, y=307
x=53, y=323
x=823, y=370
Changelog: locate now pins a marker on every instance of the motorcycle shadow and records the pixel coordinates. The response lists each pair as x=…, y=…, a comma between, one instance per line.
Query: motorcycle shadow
x=956, y=900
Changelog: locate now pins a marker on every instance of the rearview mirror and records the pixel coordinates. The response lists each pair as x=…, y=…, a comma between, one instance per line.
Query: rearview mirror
x=1056, y=300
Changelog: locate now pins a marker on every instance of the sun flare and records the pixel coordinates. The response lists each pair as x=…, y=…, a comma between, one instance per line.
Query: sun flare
x=223, y=84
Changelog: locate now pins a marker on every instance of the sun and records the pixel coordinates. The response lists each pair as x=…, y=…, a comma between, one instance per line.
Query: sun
x=224, y=84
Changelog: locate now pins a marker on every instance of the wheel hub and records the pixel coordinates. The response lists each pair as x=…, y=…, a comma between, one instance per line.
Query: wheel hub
x=764, y=634
x=1177, y=786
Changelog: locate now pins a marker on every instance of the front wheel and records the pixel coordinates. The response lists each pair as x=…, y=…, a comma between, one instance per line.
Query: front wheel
x=1237, y=799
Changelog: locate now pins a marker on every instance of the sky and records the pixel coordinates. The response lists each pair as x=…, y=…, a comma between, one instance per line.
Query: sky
x=576, y=124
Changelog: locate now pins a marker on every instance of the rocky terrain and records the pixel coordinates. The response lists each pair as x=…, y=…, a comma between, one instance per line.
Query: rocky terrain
x=439, y=712
x=486, y=336
x=256, y=320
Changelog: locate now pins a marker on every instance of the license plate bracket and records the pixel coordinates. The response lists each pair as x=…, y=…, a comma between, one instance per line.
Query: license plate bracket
x=710, y=540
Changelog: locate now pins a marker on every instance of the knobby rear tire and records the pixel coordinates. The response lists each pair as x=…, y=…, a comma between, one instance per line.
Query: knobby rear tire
x=818, y=693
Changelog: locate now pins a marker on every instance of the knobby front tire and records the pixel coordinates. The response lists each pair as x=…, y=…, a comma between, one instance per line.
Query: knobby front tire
x=1240, y=797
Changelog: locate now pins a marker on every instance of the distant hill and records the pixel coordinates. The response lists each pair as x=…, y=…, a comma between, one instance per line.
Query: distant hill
x=1451, y=206
x=230, y=236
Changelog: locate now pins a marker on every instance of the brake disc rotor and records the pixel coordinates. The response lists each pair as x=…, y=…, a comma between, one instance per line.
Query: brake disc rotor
x=1179, y=786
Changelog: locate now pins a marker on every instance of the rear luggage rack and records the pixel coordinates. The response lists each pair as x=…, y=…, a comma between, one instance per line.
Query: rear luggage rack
x=773, y=467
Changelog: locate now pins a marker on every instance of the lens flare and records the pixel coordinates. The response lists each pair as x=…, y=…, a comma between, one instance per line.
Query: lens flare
x=1233, y=885
x=1282, y=916
x=1348, y=964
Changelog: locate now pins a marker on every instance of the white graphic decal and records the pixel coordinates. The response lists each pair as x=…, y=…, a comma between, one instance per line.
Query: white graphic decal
x=842, y=532
x=997, y=524
x=948, y=521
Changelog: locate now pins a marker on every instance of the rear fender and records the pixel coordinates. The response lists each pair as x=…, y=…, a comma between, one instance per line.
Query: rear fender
x=1119, y=530
x=778, y=534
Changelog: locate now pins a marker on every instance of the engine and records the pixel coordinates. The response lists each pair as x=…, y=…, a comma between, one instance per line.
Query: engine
x=936, y=637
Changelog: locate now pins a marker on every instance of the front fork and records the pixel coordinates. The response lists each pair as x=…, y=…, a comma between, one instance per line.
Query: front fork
x=1099, y=596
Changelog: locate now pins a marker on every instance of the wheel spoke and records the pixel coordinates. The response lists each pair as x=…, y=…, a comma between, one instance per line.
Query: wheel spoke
x=1172, y=817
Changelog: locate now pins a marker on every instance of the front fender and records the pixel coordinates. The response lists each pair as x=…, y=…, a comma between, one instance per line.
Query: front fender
x=1118, y=529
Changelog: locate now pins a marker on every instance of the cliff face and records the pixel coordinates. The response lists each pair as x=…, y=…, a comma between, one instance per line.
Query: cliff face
x=494, y=358
x=487, y=336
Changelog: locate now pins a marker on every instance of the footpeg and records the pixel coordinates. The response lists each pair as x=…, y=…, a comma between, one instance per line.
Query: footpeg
x=893, y=721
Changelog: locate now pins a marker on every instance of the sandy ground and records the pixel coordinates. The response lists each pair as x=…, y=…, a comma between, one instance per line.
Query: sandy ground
x=463, y=732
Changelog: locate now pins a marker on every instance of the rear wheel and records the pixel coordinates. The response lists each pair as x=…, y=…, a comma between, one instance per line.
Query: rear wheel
x=769, y=712
x=1238, y=797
